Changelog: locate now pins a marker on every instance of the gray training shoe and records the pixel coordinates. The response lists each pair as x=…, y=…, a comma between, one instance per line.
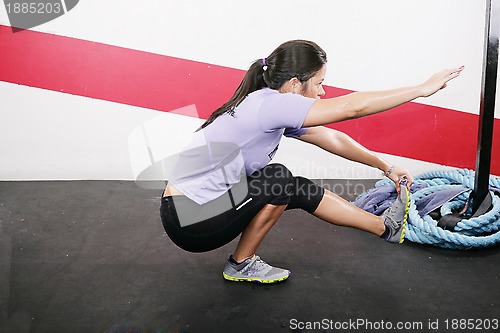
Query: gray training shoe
x=254, y=270
x=396, y=216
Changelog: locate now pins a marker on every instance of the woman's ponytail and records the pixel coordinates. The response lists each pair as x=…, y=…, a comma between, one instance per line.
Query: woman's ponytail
x=252, y=81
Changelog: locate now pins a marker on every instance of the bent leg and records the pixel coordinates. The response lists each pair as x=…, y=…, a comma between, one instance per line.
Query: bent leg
x=270, y=186
x=256, y=230
x=334, y=209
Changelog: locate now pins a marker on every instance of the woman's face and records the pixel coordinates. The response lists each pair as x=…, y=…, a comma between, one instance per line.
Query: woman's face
x=313, y=88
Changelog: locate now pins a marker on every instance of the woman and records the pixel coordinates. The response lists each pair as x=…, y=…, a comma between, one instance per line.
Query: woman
x=223, y=184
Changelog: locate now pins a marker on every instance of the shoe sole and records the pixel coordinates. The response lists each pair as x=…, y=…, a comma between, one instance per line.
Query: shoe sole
x=254, y=280
x=405, y=219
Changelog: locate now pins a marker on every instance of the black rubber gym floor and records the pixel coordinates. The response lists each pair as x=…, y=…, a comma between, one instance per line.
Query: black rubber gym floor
x=92, y=256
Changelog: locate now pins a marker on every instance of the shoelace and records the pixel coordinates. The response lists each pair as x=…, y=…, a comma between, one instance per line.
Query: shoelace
x=389, y=217
x=257, y=266
x=393, y=223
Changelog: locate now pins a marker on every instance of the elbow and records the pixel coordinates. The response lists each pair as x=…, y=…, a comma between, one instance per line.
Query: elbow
x=352, y=111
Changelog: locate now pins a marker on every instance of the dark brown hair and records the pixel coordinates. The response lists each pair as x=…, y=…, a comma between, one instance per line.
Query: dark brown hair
x=301, y=59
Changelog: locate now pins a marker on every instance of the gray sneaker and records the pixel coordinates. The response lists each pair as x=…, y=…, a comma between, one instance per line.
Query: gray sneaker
x=396, y=217
x=254, y=270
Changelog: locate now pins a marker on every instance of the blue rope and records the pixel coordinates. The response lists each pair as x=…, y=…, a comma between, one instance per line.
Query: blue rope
x=469, y=233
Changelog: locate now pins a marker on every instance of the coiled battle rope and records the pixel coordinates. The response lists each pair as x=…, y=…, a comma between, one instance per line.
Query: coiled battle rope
x=471, y=232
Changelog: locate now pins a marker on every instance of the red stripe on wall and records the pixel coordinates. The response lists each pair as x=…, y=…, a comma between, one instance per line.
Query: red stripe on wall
x=165, y=83
x=112, y=73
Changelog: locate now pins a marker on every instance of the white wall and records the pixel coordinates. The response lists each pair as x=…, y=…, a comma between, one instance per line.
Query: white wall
x=371, y=45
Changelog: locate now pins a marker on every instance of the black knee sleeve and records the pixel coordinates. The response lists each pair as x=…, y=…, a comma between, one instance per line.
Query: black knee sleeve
x=306, y=195
x=273, y=184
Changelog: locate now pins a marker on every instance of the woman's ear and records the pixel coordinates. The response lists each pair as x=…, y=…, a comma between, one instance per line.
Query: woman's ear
x=295, y=85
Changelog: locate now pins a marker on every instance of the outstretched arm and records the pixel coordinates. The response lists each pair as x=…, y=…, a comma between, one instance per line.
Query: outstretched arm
x=341, y=144
x=360, y=104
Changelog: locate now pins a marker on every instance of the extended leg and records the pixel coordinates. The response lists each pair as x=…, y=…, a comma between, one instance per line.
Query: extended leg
x=391, y=225
x=334, y=209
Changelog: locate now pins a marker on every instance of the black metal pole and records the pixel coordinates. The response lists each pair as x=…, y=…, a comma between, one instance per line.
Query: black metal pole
x=487, y=103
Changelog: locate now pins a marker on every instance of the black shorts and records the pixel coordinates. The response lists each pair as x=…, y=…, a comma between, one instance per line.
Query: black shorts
x=200, y=228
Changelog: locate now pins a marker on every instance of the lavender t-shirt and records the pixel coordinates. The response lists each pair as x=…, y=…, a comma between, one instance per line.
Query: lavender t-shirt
x=238, y=143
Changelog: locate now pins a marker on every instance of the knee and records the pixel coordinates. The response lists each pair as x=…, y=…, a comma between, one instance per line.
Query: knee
x=277, y=170
x=306, y=187
x=307, y=195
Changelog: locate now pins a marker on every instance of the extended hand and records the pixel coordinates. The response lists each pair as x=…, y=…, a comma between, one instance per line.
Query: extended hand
x=438, y=81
